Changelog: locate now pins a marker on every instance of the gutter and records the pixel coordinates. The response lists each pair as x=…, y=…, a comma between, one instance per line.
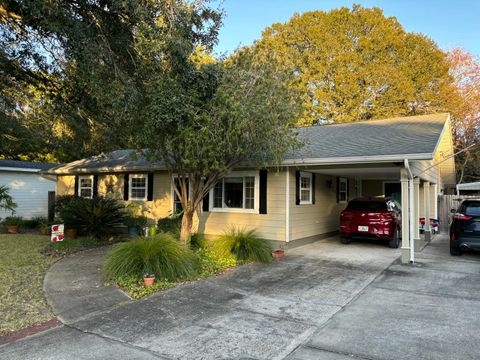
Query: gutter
x=29, y=170
x=411, y=214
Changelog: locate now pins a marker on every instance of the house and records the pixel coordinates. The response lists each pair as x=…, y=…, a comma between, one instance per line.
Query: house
x=409, y=158
x=472, y=188
x=28, y=188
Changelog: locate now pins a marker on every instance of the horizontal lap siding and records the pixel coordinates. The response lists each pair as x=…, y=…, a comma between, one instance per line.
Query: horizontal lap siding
x=30, y=193
x=269, y=226
x=321, y=217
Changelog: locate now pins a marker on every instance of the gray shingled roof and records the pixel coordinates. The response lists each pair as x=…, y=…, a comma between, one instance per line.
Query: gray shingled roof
x=394, y=136
x=26, y=164
x=375, y=138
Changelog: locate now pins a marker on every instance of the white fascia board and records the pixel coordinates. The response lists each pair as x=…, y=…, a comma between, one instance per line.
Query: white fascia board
x=5, y=168
x=358, y=159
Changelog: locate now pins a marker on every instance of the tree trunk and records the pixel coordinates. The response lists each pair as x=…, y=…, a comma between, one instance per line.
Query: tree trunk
x=186, y=228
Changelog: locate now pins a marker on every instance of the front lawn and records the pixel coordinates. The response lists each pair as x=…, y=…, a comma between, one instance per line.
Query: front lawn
x=22, y=269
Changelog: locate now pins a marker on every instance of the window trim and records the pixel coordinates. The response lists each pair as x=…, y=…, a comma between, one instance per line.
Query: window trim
x=80, y=187
x=340, y=181
x=308, y=175
x=130, y=183
x=256, y=194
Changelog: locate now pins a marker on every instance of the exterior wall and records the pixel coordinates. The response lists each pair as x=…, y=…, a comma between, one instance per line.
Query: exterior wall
x=270, y=226
x=65, y=185
x=29, y=191
x=323, y=216
x=445, y=149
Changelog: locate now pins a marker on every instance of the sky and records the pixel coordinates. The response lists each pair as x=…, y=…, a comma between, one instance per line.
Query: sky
x=450, y=23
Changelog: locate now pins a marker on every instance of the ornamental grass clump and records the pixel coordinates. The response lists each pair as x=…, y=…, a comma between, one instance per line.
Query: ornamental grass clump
x=161, y=255
x=244, y=245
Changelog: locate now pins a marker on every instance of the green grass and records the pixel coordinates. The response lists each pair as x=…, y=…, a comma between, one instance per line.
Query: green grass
x=22, y=268
x=70, y=246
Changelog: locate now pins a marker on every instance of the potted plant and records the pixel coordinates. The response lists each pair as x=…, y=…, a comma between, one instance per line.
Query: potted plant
x=44, y=227
x=278, y=254
x=12, y=223
x=135, y=224
x=148, y=278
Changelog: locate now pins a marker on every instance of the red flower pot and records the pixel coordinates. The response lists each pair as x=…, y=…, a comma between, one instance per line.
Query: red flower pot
x=278, y=254
x=148, y=281
x=71, y=233
x=12, y=229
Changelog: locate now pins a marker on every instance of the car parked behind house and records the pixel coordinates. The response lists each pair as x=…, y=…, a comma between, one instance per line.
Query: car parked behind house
x=374, y=218
x=465, y=227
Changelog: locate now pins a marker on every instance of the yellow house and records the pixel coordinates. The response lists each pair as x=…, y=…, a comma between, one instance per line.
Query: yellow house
x=408, y=158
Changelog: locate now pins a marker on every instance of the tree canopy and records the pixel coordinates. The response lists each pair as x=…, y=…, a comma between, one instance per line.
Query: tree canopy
x=356, y=64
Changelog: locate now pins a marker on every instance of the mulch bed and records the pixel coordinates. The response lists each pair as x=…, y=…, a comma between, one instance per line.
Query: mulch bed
x=28, y=331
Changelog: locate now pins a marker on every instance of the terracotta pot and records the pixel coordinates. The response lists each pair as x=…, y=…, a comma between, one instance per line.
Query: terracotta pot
x=45, y=231
x=12, y=229
x=71, y=233
x=148, y=281
x=278, y=254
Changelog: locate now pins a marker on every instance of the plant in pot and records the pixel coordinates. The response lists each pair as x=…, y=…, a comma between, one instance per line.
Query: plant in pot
x=44, y=227
x=135, y=224
x=278, y=254
x=148, y=278
x=12, y=223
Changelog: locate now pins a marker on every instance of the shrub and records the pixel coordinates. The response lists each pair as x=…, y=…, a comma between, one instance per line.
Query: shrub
x=34, y=223
x=98, y=216
x=161, y=254
x=13, y=221
x=6, y=201
x=244, y=245
x=170, y=224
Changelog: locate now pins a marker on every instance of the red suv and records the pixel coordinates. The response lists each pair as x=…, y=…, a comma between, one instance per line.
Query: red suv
x=374, y=218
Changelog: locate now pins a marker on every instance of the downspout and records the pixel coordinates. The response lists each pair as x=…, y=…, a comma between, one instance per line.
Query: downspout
x=287, y=206
x=411, y=216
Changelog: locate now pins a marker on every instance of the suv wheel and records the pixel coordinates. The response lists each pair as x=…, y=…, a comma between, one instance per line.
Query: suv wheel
x=455, y=251
x=395, y=242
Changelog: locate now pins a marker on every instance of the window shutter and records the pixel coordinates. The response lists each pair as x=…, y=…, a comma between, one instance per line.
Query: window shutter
x=150, y=187
x=348, y=189
x=313, y=188
x=263, y=192
x=125, y=187
x=297, y=187
x=338, y=190
x=75, y=190
x=206, y=200
x=95, y=186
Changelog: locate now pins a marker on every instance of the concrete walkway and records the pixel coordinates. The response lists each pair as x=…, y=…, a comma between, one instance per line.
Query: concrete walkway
x=74, y=287
x=324, y=301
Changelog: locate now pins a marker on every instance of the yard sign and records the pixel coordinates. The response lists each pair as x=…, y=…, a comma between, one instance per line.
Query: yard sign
x=57, y=233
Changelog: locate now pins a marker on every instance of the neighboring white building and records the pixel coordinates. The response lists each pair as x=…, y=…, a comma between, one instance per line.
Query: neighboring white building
x=27, y=187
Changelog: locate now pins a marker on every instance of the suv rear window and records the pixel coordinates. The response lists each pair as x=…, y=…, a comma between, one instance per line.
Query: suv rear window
x=472, y=209
x=367, y=205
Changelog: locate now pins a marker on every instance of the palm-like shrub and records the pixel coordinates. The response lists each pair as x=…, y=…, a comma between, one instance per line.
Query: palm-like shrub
x=6, y=201
x=244, y=245
x=98, y=216
x=161, y=255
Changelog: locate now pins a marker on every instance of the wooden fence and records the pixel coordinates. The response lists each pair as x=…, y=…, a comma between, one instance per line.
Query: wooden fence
x=445, y=204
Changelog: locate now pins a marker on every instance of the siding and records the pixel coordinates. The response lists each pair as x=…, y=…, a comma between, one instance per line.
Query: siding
x=29, y=191
x=321, y=217
x=269, y=226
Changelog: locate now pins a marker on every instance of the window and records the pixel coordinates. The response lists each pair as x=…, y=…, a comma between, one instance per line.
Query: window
x=138, y=187
x=238, y=192
x=342, y=190
x=305, y=188
x=177, y=204
x=85, y=186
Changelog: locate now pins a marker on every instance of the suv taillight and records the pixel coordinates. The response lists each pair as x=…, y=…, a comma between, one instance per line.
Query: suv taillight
x=345, y=214
x=462, y=217
x=386, y=216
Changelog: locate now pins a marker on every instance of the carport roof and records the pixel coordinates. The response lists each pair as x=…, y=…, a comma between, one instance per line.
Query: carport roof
x=393, y=139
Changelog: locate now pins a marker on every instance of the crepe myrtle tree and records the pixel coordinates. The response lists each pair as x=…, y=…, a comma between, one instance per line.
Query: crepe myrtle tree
x=230, y=112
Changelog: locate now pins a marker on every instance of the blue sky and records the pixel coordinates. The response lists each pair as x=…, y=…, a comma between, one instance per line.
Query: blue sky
x=450, y=23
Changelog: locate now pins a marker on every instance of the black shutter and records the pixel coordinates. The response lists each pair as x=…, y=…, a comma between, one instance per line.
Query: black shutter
x=338, y=190
x=150, y=187
x=125, y=187
x=313, y=188
x=297, y=187
x=95, y=186
x=206, y=200
x=263, y=192
x=348, y=189
x=75, y=190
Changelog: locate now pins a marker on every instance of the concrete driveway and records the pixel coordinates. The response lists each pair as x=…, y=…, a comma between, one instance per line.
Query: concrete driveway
x=324, y=301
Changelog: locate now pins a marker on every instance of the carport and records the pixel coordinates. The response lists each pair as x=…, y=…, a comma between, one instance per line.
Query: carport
x=417, y=194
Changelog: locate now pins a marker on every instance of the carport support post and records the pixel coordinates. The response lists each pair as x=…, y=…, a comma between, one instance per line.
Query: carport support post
x=405, y=222
x=426, y=193
x=416, y=213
